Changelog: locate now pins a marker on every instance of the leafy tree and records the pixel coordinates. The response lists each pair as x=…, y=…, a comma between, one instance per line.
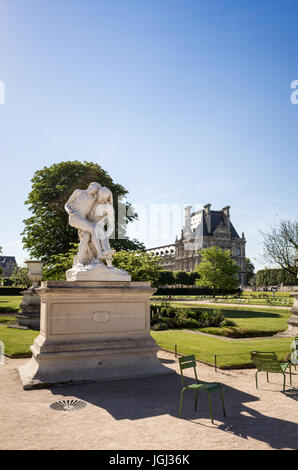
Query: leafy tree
x=47, y=232
x=253, y=281
x=250, y=270
x=20, y=277
x=217, y=269
x=182, y=278
x=194, y=276
x=281, y=245
x=57, y=265
x=165, y=278
x=140, y=265
x=275, y=277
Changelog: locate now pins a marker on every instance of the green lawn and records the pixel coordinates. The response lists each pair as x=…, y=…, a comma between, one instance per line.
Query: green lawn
x=251, y=294
x=277, y=301
x=17, y=342
x=229, y=354
x=10, y=303
x=281, y=299
x=250, y=321
x=7, y=319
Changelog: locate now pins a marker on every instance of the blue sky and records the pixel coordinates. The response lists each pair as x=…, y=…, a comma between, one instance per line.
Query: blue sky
x=182, y=102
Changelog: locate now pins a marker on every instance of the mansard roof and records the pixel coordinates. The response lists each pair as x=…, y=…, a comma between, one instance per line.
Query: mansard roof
x=217, y=218
x=6, y=259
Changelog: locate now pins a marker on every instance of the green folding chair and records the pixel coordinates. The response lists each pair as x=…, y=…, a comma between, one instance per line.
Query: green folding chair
x=268, y=362
x=186, y=362
x=294, y=352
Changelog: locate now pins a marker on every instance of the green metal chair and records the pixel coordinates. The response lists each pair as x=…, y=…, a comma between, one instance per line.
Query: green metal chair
x=294, y=352
x=186, y=362
x=268, y=362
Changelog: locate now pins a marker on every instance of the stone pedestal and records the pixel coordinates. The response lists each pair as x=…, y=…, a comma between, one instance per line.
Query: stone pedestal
x=293, y=320
x=92, y=331
x=30, y=310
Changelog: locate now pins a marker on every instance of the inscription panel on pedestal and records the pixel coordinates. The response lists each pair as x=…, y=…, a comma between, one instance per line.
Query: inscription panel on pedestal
x=89, y=318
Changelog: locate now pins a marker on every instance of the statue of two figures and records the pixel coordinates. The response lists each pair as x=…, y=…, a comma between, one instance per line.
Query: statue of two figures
x=91, y=212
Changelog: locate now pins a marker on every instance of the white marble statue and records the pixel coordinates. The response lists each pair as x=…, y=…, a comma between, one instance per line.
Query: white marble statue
x=103, y=215
x=91, y=211
x=78, y=207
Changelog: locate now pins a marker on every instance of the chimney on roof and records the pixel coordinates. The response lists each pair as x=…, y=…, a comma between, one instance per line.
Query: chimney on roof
x=226, y=212
x=207, y=213
x=187, y=222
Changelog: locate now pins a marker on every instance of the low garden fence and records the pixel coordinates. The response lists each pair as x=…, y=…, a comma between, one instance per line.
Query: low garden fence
x=221, y=361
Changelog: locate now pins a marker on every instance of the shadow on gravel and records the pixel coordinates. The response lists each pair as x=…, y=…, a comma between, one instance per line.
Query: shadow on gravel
x=167, y=361
x=154, y=396
x=292, y=393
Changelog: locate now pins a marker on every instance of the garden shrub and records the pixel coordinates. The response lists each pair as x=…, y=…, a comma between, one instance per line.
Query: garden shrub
x=160, y=326
x=207, y=291
x=227, y=322
x=168, y=317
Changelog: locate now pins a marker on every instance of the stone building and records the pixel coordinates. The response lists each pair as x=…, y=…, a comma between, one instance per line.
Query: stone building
x=7, y=263
x=202, y=229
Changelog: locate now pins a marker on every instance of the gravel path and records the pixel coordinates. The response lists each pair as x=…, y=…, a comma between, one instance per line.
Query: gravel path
x=143, y=414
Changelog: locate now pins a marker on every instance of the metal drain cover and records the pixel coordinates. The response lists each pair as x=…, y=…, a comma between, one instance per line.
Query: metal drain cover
x=68, y=405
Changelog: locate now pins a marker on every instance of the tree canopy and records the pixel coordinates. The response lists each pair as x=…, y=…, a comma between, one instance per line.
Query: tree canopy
x=182, y=278
x=281, y=245
x=275, y=277
x=20, y=277
x=47, y=232
x=217, y=269
x=165, y=278
x=249, y=270
x=140, y=265
x=57, y=265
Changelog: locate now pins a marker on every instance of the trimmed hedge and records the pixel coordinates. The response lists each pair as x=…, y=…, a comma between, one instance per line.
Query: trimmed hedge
x=11, y=290
x=172, y=278
x=275, y=277
x=194, y=291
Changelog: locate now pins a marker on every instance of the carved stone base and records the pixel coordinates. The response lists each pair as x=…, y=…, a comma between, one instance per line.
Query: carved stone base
x=96, y=272
x=92, y=331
